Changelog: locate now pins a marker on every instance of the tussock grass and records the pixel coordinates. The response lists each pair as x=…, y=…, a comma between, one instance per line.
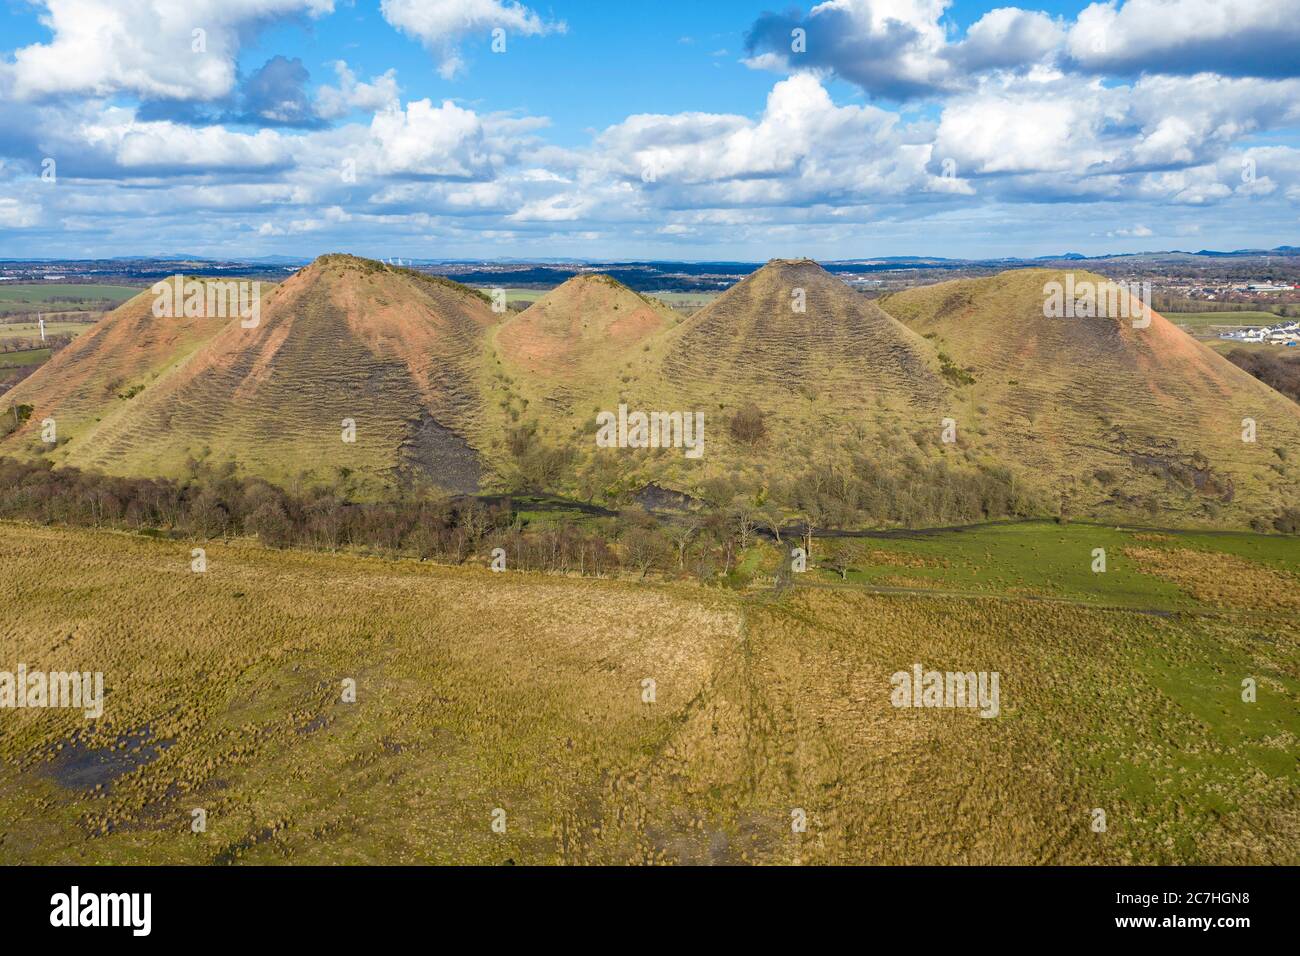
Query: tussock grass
x=478, y=690
x=1221, y=578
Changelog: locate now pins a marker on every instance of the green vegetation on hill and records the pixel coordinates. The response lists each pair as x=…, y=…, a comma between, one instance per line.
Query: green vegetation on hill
x=954, y=402
x=1107, y=418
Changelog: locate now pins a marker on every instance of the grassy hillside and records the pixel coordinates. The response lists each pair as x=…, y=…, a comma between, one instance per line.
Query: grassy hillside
x=392, y=350
x=823, y=367
x=81, y=387
x=478, y=692
x=1103, y=414
x=817, y=402
x=569, y=342
x=838, y=371
x=794, y=329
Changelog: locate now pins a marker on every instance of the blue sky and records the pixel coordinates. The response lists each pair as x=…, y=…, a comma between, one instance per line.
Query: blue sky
x=728, y=129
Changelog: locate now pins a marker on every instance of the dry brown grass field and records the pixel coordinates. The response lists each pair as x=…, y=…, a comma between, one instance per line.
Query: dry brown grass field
x=478, y=692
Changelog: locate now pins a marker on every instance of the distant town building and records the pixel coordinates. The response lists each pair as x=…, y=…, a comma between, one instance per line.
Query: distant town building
x=1284, y=333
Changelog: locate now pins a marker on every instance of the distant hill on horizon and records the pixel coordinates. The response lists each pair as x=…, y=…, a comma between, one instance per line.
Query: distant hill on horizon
x=1287, y=251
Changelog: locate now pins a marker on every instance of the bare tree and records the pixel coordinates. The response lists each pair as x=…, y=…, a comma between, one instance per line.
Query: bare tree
x=840, y=558
x=475, y=520
x=769, y=517
x=743, y=516
x=643, y=548
x=809, y=523
x=747, y=425
x=681, y=534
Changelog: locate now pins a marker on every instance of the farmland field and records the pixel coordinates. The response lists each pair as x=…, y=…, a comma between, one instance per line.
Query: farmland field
x=11, y=331
x=1197, y=321
x=689, y=299
x=516, y=294
x=23, y=297
x=25, y=357
x=523, y=698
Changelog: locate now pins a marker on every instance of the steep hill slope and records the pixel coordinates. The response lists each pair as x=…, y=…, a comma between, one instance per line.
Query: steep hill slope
x=828, y=373
x=569, y=342
x=391, y=351
x=129, y=348
x=1107, y=415
x=822, y=364
x=793, y=327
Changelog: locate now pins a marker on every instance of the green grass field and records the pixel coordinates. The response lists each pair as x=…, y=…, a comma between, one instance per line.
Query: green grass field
x=23, y=297
x=1045, y=559
x=10, y=331
x=1207, y=320
x=25, y=357
x=524, y=698
x=695, y=299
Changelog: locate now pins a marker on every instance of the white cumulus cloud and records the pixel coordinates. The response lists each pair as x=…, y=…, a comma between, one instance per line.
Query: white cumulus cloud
x=162, y=49
x=333, y=102
x=441, y=24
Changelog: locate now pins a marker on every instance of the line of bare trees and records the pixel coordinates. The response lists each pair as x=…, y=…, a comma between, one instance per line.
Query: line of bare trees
x=215, y=503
